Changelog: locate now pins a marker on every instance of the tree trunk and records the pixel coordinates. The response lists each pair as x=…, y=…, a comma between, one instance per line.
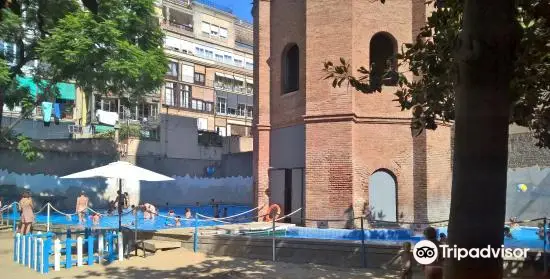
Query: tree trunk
x=485, y=56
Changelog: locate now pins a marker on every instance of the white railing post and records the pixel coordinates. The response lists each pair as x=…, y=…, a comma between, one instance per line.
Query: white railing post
x=17, y=247
x=100, y=249
x=23, y=249
x=79, y=251
x=41, y=251
x=29, y=250
x=120, y=243
x=57, y=255
x=35, y=251
x=48, y=217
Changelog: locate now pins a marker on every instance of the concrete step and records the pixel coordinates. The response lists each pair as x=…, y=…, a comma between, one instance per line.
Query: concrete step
x=154, y=245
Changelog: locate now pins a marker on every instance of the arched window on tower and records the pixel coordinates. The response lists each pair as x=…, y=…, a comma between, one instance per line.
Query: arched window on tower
x=291, y=68
x=383, y=65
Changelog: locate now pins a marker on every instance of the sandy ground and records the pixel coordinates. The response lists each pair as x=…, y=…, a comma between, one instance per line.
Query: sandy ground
x=181, y=263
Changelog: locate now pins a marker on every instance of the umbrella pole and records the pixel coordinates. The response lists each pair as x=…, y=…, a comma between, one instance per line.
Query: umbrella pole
x=119, y=207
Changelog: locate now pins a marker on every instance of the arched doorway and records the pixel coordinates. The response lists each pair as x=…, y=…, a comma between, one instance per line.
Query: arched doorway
x=382, y=195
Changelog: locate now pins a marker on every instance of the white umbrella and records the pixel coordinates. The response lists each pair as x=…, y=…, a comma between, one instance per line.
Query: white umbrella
x=120, y=170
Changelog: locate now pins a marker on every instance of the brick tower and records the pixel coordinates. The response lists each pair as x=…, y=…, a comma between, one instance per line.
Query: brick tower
x=335, y=151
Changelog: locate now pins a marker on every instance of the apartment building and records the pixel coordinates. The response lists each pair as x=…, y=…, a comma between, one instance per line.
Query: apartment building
x=210, y=69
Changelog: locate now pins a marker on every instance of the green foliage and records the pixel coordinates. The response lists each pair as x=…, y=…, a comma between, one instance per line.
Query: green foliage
x=20, y=143
x=129, y=131
x=104, y=46
x=118, y=50
x=430, y=60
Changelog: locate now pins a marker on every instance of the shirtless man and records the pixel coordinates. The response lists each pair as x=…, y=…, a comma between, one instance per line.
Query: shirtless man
x=406, y=256
x=81, y=206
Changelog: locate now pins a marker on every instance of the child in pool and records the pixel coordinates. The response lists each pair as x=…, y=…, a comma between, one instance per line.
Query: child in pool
x=171, y=213
x=406, y=256
x=178, y=222
x=507, y=233
x=188, y=214
x=95, y=219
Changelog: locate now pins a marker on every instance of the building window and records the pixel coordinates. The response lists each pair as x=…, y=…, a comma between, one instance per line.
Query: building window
x=169, y=94
x=199, y=51
x=209, y=54
x=231, y=111
x=221, y=131
x=223, y=32
x=199, y=78
x=227, y=59
x=186, y=92
x=249, y=66
x=206, y=28
x=172, y=69
x=214, y=30
x=241, y=110
x=208, y=107
x=202, y=124
x=383, y=48
x=219, y=57
x=291, y=68
x=197, y=105
x=249, y=111
x=221, y=105
x=238, y=62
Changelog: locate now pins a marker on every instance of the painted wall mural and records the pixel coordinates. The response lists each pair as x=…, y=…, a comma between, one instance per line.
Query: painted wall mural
x=184, y=190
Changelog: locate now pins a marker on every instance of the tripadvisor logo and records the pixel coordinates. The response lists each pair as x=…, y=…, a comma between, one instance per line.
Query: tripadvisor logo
x=426, y=252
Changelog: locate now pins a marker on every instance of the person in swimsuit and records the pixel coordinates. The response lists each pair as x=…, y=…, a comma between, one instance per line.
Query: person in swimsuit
x=188, y=214
x=178, y=222
x=149, y=211
x=435, y=269
x=95, y=219
x=406, y=256
x=27, y=215
x=81, y=207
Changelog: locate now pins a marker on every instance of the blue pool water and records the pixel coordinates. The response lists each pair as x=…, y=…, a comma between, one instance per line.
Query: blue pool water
x=524, y=237
x=128, y=219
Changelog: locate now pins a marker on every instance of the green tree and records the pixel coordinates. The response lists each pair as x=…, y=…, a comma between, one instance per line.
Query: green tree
x=483, y=65
x=115, y=49
x=24, y=23
x=109, y=46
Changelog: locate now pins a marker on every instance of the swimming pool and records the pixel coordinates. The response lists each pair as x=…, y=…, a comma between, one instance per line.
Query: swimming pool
x=524, y=237
x=159, y=223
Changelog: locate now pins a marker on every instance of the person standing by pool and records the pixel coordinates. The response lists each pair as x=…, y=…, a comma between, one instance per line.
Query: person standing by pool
x=81, y=207
x=27, y=215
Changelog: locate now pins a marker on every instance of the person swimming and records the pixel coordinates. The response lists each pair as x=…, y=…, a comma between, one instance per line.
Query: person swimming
x=188, y=214
x=406, y=256
x=507, y=233
x=95, y=219
x=178, y=221
x=171, y=213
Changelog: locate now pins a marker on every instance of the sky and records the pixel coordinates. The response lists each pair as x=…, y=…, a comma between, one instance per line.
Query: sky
x=241, y=8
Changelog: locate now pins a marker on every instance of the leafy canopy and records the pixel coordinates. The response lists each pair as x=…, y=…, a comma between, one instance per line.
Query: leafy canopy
x=116, y=50
x=430, y=58
x=107, y=46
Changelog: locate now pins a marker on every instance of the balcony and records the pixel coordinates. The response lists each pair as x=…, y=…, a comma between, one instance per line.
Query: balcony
x=177, y=28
